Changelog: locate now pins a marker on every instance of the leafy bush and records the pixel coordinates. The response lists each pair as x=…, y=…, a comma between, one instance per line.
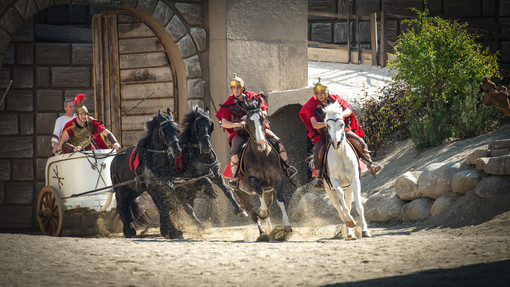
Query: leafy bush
x=384, y=117
x=440, y=63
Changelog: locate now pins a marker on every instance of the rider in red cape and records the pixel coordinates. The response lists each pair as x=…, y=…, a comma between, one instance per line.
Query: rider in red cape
x=84, y=132
x=313, y=117
x=232, y=117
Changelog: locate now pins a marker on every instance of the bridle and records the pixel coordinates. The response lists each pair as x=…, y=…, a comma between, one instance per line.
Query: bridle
x=336, y=120
x=169, y=151
x=195, y=131
x=248, y=114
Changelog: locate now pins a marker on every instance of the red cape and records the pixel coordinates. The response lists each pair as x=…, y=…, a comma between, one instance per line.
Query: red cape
x=99, y=140
x=225, y=112
x=307, y=112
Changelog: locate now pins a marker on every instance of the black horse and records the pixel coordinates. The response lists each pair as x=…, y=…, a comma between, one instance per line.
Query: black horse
x=260, y=168
x=148, y=166
x=199, y=159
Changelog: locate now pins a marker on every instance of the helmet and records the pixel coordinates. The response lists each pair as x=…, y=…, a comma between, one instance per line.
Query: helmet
x=236, y=81
x=80, y=108
x=319, y=87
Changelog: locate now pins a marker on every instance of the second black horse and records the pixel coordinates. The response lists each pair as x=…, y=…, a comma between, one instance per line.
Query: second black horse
x=198, y=159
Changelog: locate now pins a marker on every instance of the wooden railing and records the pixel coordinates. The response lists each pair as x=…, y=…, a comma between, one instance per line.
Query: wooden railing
x=352, y=52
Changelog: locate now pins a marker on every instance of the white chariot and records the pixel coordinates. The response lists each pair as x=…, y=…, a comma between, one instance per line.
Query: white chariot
x=76, y=183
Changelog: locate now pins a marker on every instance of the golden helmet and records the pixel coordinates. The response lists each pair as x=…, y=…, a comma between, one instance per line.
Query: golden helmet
x=236, y=81
x=80, y=108
x=319, y=87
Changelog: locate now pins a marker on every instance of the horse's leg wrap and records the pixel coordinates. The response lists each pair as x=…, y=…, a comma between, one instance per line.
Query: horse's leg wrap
x=288, y=170
x=236, y=166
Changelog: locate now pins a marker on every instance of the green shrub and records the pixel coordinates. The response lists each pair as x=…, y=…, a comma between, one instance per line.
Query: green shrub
x=440, y=64
x=383, y=117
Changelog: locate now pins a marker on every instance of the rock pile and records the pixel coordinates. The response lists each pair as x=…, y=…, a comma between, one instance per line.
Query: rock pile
x=448, y=189
x=420, y=195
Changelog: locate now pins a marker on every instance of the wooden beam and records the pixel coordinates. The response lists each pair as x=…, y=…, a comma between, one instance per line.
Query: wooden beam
x=383, y=56
x=373, y=37
x=335, y=15
x=349, y=37
x=97, y=49
x=358, y=40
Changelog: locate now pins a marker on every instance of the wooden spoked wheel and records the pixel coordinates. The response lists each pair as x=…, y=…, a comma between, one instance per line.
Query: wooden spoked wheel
x=50, y=211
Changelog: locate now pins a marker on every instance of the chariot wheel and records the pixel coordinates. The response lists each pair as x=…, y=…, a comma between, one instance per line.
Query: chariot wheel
x=50, y=211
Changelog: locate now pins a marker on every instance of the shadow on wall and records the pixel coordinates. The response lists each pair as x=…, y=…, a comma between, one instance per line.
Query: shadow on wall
x=287, y=125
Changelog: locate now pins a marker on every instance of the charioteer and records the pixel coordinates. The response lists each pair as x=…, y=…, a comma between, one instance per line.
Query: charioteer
x=85, y=132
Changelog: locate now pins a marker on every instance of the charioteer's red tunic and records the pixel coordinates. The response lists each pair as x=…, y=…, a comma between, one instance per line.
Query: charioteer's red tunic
x=231, y=112
x=309, y=110
x=97, y=128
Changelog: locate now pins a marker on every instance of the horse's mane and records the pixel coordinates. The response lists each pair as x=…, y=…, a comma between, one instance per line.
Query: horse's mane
x=189, y=120
x=153, y=124
x=334, y=108
x=254, y=104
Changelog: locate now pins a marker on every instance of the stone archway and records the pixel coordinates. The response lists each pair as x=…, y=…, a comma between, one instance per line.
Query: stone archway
x=26, y=127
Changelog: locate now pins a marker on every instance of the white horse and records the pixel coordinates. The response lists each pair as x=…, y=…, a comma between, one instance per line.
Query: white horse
x=343, y=170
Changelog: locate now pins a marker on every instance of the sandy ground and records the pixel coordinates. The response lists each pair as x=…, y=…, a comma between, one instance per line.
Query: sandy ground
x=396, y=255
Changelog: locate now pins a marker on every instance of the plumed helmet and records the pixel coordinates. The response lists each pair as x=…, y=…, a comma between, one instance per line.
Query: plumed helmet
x=80, y=108
x=236, y=81
x=319, y=87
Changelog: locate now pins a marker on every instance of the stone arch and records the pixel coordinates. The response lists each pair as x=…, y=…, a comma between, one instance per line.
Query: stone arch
x=24, y=144
x=177, y=26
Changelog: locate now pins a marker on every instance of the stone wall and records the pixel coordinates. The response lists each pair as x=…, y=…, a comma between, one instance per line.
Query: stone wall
x=266, y=44
x=50, y=60
x=490, y=18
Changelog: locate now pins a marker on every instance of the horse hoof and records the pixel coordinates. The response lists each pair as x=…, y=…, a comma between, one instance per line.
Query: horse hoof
x=263, y=238
x=350, y=237
x=287, y=228
x=174, y=235
x=129, y=233
x=366, y=233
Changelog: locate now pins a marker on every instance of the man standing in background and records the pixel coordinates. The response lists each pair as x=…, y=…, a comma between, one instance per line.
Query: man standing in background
x=61, y=121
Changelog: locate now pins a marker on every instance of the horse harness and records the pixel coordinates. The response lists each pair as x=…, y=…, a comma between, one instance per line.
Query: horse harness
x=272, y=143
x=195, y=131
x=134, y=159
x=323, y=170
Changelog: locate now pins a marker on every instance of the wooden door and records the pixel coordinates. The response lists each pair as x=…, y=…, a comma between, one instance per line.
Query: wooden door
x=130, y=63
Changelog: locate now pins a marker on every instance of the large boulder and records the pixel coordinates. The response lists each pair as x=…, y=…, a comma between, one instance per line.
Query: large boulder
x=490, y=186
x=443, y=203
x=383, y=206
x=465, y=180
x=436, y=179
x=406, y=186
x=417, y=210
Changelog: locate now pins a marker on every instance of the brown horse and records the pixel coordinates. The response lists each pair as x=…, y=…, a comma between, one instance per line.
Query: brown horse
x=495, y=97
x=260, y=168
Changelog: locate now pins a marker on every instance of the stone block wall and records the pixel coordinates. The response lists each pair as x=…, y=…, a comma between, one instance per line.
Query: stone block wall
x=490, y=18
x=47, y=67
